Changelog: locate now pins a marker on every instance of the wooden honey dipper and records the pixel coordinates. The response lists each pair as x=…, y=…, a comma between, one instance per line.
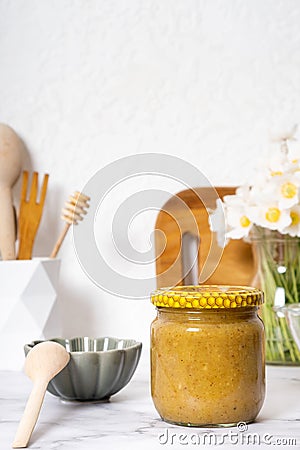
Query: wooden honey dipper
x=73, y=211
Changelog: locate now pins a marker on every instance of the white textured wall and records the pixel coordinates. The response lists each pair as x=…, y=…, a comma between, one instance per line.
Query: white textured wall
x=86, y=82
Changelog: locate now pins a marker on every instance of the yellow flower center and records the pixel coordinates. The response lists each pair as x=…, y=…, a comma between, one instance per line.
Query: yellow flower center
x=244, y=221
x=295, y=218
x=273, y=215
x=276, y=173
x=289, y=190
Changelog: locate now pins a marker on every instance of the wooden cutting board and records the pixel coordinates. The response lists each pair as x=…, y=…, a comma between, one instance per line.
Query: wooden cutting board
x=185, y=212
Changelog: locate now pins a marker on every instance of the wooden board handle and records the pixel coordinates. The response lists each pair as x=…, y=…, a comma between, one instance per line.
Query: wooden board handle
x=31, y=414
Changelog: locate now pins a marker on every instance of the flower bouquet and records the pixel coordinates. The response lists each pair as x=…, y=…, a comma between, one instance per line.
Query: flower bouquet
x=267, y=213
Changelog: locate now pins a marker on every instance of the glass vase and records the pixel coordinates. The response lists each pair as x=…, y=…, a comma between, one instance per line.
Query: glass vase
x=278, y=263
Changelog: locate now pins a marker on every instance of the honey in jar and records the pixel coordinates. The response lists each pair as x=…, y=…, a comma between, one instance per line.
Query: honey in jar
x=207, y=355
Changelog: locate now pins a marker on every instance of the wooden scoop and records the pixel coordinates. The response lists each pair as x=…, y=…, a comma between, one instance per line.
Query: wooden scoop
x=43, y=362
x=10, y=168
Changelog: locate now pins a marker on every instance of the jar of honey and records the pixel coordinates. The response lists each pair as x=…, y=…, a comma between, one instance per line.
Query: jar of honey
x=207, y=355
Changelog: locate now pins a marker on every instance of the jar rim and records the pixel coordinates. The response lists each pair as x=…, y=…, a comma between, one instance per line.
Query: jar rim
x=207, y=297
x=283, y=239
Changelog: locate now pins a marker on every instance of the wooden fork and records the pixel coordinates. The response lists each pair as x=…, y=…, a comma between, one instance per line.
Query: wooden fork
x=30, y=214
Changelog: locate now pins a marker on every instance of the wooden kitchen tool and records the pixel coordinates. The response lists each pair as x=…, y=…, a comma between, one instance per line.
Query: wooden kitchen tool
x=71, y=214
x=10, y=168
x=183, y=213
x=43, y=362
x=30, y=214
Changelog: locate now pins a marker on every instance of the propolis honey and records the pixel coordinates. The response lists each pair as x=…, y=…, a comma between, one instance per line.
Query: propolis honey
x=207, y=355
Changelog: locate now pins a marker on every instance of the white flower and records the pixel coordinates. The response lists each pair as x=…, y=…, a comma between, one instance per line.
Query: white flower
x=238, y=223
x=294, y=228
x=277, y=159
x=273, y=200
x=284, y=189
x=244, y=193
x=280, y=160
x=280, y=186
x=280, y=163
x=287, y=190
x=240, y=198
x=271, y=216
x=294, y=152
x=217, y=222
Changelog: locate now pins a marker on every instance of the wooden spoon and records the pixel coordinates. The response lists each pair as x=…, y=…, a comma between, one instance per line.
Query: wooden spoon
x=10, y=168
x=43, y=362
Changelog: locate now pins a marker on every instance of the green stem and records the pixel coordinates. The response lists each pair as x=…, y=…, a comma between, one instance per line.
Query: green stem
x=279, y=258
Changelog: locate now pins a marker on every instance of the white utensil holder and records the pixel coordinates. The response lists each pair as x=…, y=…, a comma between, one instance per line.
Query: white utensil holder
x=28, y=306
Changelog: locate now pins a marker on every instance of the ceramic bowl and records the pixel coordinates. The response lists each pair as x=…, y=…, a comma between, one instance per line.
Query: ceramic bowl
x=98, y=368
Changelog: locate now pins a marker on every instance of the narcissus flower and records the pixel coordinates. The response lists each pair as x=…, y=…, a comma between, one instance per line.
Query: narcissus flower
x=294, y=228
x=271, y=216
x=273, y=200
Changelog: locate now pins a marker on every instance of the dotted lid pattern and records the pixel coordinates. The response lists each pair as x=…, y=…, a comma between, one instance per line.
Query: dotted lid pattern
x=207, y=297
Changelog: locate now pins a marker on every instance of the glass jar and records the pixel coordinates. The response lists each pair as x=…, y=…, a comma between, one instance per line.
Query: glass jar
x=207, y=355
x=278, y=262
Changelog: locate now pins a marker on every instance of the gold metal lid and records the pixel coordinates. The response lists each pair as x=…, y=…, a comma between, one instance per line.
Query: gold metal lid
x=207, y=297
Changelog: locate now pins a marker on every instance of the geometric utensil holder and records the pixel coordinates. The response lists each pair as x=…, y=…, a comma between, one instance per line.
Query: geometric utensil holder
x=28, y=306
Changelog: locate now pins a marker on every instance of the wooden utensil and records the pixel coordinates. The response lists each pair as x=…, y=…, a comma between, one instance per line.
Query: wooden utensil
x=30, y=214
x=71, y=214
x=43, y=362
x=185, y=212
x=10, y=168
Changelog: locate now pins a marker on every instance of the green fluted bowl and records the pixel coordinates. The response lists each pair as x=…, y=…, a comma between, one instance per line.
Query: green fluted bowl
x=98, y=368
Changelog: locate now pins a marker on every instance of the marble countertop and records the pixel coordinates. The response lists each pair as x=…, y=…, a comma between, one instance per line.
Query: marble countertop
x=130, y=421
